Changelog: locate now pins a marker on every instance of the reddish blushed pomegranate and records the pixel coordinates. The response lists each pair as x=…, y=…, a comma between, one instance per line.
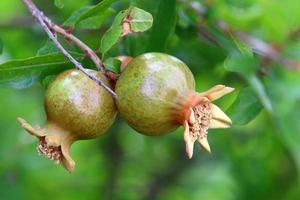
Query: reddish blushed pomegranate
x=156, y=94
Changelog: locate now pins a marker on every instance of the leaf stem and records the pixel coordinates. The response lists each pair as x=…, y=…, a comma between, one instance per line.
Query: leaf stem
x=47, y=25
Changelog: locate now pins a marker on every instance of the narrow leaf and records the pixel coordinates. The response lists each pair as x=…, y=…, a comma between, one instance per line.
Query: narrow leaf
x=114, y=33
x=164, y=25
x=72, y=20
x=96, y=21
x=23, y=73
x=93, y=22
x=260, y=91
x=99, y=8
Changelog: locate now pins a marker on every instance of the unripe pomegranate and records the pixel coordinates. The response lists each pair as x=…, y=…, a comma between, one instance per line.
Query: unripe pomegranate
x=77, y=108
x=156, y=94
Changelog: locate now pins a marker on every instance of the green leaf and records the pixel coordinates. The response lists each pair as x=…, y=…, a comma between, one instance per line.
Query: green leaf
x=110, y=38
x=48, y=48
x=242, y=47
x=23, y=73
x=112, y=64
x=245, y=108
x=47, y=80
x=59, y=3
x=93, y=22
x=247, y=65
x=96, y=10
x=72, y=20
x=164, y=25
x=96, y=21
x=260, y=91
x=114, y=33
x=127, y=21
x=243, y=64
x=140, y=20
x=231, y=44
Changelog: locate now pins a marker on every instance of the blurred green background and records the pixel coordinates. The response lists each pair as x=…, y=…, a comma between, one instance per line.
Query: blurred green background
x=258, y=158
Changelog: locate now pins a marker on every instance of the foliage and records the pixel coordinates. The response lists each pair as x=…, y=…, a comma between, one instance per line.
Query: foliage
x=258, y=158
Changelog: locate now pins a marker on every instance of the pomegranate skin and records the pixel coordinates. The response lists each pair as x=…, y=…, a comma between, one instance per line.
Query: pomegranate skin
x=75, y=102
x=148, y=90
x=77, y=108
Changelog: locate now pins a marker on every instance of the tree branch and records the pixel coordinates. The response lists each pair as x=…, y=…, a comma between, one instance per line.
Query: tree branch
x=79, y=43
x=47, y=26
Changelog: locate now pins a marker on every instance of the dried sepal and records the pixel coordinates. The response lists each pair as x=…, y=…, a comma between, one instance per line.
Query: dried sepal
x=52, y=146
x=189, y=140
x=33, y=131
x=218, y=124
x=216, y=92
x=192, y=118
x=66, y=160
x=202, y=115
x=204, y=143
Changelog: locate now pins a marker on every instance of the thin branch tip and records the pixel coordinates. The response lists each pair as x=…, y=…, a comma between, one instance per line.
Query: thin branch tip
x=48, y=27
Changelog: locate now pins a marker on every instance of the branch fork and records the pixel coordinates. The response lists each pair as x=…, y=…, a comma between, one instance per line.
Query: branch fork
x=50, y=27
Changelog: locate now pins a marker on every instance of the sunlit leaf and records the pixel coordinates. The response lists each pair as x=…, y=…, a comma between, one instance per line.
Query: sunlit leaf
x=114, y=33
x=139, y=20
x=127, y=21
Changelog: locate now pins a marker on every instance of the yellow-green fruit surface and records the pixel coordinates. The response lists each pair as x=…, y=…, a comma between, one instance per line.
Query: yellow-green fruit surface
x=148, y=90
x=78, y=104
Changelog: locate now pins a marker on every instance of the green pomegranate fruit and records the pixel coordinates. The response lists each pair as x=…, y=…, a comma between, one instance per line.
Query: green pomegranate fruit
x=77, y=108
x=156, y=94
